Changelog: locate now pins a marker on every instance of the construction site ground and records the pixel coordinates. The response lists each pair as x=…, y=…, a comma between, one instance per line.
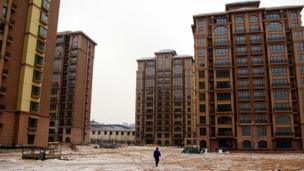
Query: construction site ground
x=140, y=158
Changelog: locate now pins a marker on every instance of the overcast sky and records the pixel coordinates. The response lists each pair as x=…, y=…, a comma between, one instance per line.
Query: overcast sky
x=126, y=30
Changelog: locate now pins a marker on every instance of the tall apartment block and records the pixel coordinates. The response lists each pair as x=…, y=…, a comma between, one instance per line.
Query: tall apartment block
x=164, y=99
x=27, y=42
x=70, y=100
x=249, y=64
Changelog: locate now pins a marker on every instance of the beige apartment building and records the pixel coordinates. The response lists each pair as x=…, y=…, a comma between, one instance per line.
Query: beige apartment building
x=27, y=43
x=165, y=99
x=71, y=92
x=249, y=65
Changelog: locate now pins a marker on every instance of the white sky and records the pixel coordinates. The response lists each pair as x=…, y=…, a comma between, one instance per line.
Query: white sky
x=126, y=30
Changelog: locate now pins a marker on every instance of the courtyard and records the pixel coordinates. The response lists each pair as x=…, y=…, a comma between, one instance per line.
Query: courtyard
x=140, y=158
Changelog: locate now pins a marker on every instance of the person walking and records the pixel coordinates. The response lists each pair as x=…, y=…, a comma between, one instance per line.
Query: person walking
x=156, y=155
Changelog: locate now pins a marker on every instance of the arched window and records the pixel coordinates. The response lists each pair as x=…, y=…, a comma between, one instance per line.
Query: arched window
x=274, y=26
x=246, y=144
x=239, y=20
x=283, y=119
x=220, y=30
x=253, y=19
x=224, y=120
x=262, y=144
x=67, y=139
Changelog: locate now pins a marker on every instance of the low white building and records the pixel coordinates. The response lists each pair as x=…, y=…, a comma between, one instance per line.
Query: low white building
x=111, y=133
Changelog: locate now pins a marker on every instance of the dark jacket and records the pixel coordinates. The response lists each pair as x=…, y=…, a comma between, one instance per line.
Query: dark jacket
x=156, y=154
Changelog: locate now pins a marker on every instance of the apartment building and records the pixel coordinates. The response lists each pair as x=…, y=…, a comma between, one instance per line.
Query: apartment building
x=164, y=99
x=249, y=65
x=70, y=99
x=27, y=42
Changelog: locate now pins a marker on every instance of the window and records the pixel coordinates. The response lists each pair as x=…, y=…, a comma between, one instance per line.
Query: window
x=272, y=16
x=300, y=46
x=224, y=120
x=259, y=106
x=245, y=118
x=262, y=144
x=246, y=131
x=201, y=74
x=223, y=84
x=38, y=60
x=221, y=52
x=35, y=91
x=44, y=17
x=255, y=39
x=283, y=131
x=280, y=94
x=40, y=45
x=42, y=32
x=34, y=106
x=220, y=20
x=253, y=19
x=32, y=122
x=201, y=24
x=223, y=96
x=277, y=48
x=201, y=52
x=258, y=82
x=241, y=51
x=240, y=40
x=220, y=30
x=275, y=37
x=202, y=120
x=301, y=58
x=243, y=83
x=202, y=108
x=257, y=71
x=259, y=94
x=93, y=132
x=256, y=50
x=37, y=75
x=283, y=120
x=201, y=96
x=281, y=106
x=280, y=82
x=244, y=95
x=246, y=144
x=242, y=60
x=223, y=107
x=243, y=72
x=200, y=42
x=279, y=71
x=221, y=41
x=239, y=29
x=278, y=59
x=254, y=28
x=46, y=4
x=220, y=62
x=257, y=60
x=203, y=131
x=274, y=26
x=222, y=74
x=239, y=20
x=261, y=118
x=201, y=85
x=262, y=131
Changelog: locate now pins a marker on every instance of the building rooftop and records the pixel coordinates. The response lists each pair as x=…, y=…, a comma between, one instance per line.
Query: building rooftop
x=236, y=5
x=166, y=51
x=77, y=32
x=95, y=125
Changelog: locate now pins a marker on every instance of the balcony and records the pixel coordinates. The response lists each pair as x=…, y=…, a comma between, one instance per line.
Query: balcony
x=32, y=129
x=12, y=23
x=279, y=61
x=261, y=121
x=14, y=7
x=7, y=56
